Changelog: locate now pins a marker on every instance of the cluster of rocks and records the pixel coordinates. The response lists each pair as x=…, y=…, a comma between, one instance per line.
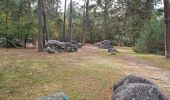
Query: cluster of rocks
x=6, y=43
x=53, y=46
x=57, y=96
x=105, y=44
x=136, y=88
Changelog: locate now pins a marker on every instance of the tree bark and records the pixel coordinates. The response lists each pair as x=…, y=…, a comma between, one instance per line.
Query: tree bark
x=121, y=41
x=86, y=23
x=70, y=22
x=167, y=23
x=40, y=48
x=64, y=26
x=45, y=21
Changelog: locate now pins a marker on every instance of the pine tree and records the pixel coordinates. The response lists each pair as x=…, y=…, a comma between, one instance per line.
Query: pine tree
x=167, y=22
x=40, y=48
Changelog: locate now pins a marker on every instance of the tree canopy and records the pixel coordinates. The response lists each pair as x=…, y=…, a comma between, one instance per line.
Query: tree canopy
x=126, y=22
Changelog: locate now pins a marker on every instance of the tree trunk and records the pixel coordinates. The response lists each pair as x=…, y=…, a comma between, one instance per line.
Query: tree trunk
x=86, y=23
x=64, y=26
x=6, y=13
x=25, y=41
x=70, y=22
x=45, y=21
x=83, y=24
x=167, y=22
x=40, y=48
x=121, y=41
x=91, y=32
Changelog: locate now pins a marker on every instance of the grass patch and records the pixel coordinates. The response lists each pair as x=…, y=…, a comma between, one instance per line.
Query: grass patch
x=27, y=75
x=157, y=60
x=81, y=76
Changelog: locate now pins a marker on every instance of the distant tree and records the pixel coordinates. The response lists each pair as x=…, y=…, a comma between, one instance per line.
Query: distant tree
x=31, y=19
x=64, y=24
x=53, y=8
x=70, y=21
x=167, y=22
x=105, y=5
x=86, y=19
x=83, y=24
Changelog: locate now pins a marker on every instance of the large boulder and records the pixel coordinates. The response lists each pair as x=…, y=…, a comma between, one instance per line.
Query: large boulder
x=54, y=45
x=136, y=88
x=138, y=91
x=6, y=43
x=71, y=47
x=131, y=79
x=3, y=42
x=78, y=44
x=97, y=44
x=106, y=44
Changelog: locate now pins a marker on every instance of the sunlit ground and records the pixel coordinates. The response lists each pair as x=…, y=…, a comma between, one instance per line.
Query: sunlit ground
x=85, y=75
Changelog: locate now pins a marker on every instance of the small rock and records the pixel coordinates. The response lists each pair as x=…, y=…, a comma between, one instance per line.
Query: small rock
x=57, y=96
x=50, y=50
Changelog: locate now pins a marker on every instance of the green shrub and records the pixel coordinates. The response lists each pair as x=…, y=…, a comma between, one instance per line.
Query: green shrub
x=151, y=40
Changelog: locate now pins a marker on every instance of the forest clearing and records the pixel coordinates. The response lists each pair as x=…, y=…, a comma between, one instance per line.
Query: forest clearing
x=84, y=49
x=85, y=75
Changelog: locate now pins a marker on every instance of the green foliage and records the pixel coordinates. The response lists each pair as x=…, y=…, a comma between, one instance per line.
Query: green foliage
x=152, y=38
x=130, y=21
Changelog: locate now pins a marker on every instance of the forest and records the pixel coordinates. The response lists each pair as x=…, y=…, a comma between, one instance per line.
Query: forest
x=138, y=24
x=82, y=47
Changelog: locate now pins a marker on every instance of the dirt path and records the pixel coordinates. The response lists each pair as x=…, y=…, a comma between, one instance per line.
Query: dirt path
x=148, y=70
x=137, y=66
